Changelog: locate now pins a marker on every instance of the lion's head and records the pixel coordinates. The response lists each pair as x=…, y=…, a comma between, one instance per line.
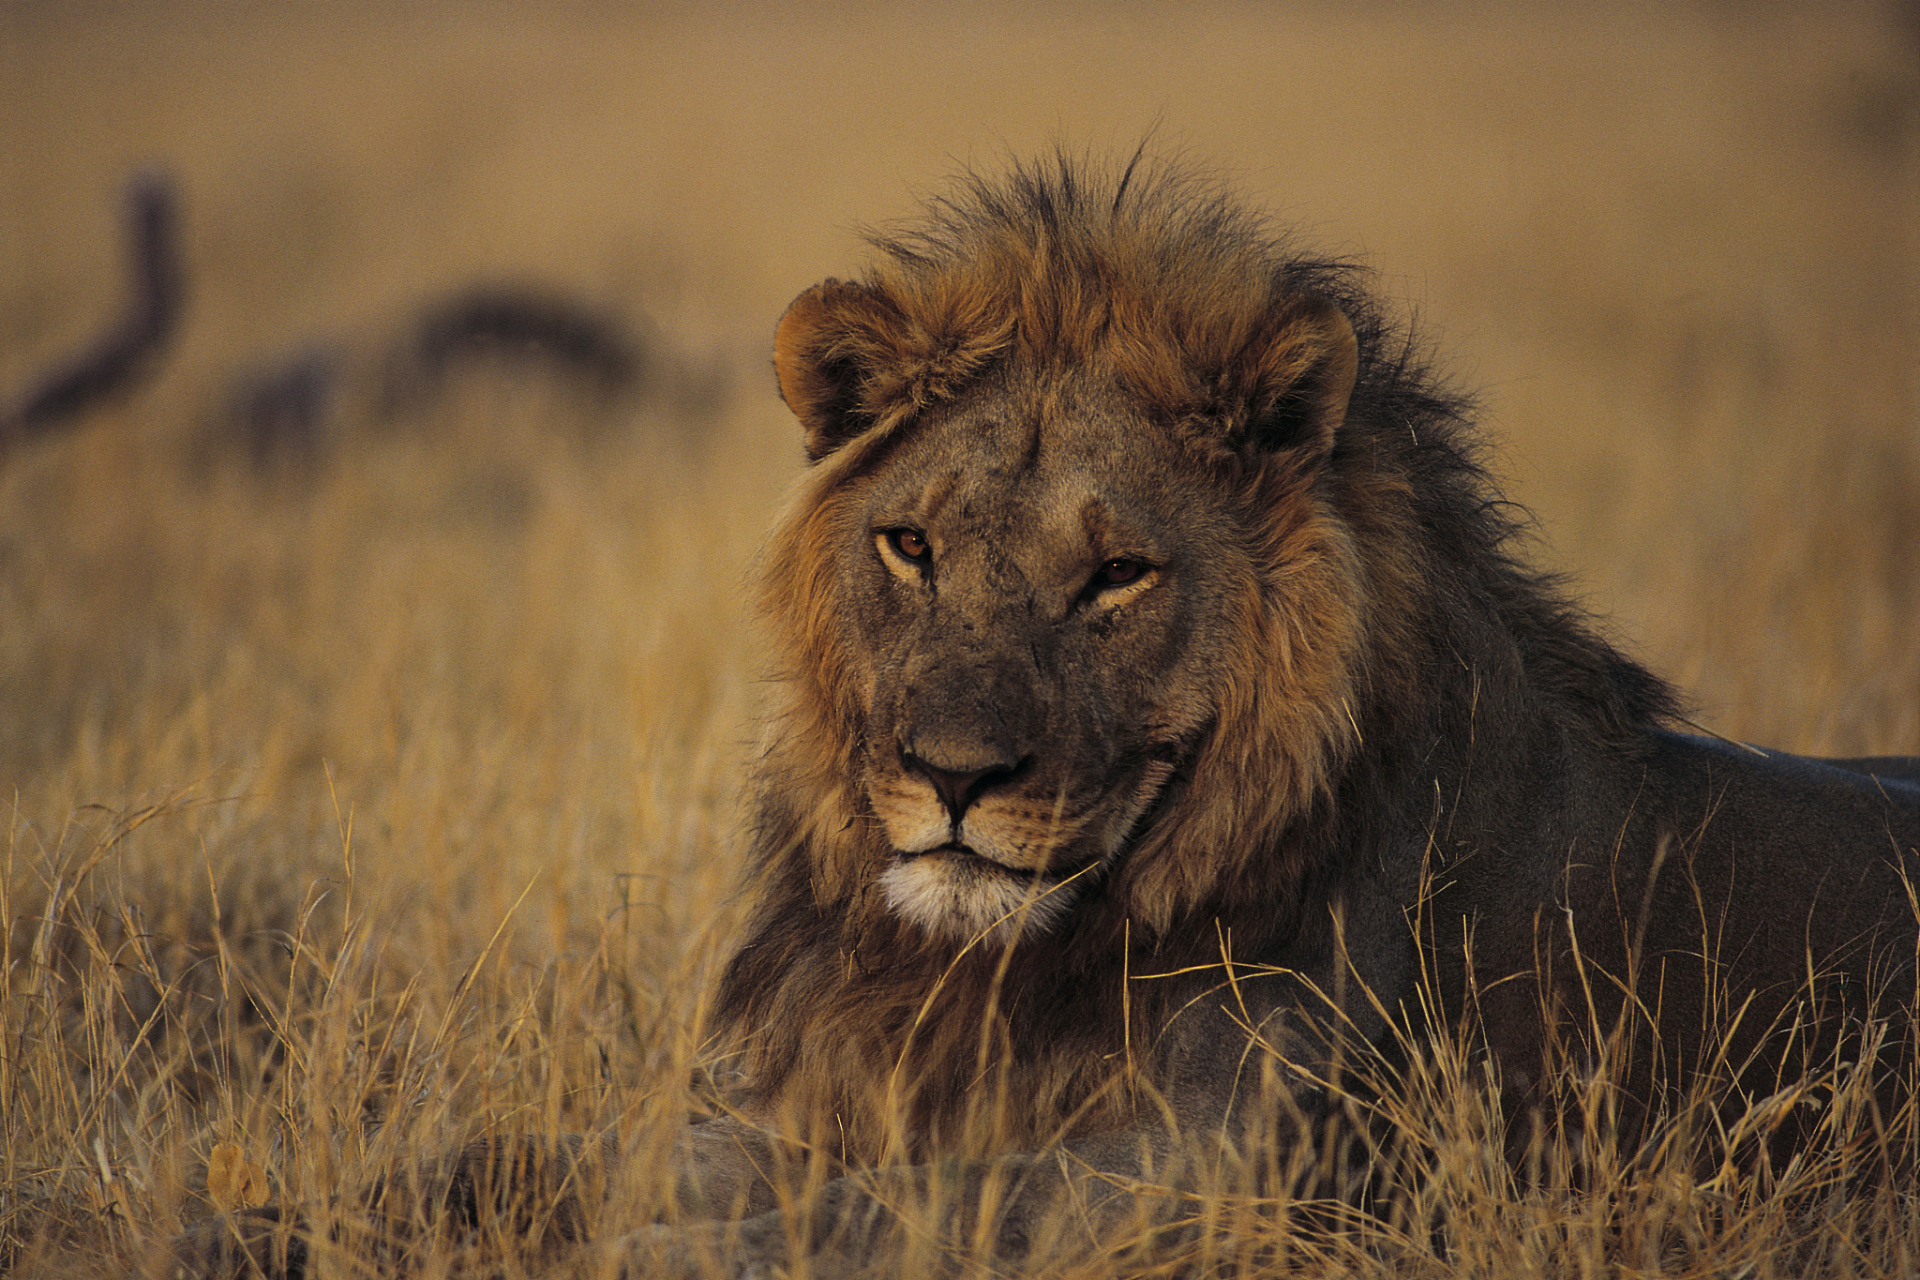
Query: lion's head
x=1142, y=599
x=1068, y=546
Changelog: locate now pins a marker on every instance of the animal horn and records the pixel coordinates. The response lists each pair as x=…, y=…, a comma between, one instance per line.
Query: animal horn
x=147, y=322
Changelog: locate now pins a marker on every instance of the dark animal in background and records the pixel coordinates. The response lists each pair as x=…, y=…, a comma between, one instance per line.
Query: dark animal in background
x=130, y=347
x=525, y=325
x=286, y=412
x=293, y=411
x=290, y=412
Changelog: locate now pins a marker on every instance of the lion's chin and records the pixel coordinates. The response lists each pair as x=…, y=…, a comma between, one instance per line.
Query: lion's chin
x=956, y=895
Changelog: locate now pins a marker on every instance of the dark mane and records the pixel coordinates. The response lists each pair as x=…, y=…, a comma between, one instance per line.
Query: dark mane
x=1164, y=273
x=1161, y=278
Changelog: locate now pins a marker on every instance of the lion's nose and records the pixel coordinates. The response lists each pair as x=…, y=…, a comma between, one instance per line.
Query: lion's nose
x=959, y=788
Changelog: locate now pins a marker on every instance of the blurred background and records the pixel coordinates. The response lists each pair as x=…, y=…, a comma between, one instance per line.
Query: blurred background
x=415, y=560
x=1673, y=247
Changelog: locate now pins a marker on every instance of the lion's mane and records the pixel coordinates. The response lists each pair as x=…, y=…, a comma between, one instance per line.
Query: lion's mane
x=1411, y=629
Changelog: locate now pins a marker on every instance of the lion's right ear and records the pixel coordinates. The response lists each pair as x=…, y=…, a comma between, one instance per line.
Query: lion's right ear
x=823, y=354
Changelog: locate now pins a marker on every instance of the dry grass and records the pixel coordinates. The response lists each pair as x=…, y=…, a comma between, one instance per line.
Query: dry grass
x=348, y=818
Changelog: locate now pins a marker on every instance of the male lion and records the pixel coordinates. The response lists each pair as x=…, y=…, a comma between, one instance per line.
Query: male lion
x=1161, y=708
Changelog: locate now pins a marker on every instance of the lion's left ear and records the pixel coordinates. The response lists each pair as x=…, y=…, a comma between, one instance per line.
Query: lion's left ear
x=1303, y=374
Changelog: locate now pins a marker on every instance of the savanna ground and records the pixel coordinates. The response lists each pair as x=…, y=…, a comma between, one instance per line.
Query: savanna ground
x=355, y=809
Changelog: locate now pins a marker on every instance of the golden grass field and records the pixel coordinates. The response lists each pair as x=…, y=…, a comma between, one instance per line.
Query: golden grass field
x=350, y=814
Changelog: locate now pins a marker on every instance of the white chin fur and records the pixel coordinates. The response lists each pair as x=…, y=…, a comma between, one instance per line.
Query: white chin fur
x=959, y=898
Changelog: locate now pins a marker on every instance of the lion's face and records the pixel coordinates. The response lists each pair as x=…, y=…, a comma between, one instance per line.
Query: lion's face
x=1060, y=622
x=1032, y=585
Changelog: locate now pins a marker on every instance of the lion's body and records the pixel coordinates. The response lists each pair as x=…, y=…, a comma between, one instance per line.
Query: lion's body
x=1019, y=822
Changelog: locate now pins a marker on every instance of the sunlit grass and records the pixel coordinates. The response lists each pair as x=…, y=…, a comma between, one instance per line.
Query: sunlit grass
x=444, y=828
x=418, y=832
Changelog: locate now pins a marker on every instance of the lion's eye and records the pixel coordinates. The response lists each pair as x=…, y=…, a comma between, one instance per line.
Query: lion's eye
x=1118, y=573
x=909, y=544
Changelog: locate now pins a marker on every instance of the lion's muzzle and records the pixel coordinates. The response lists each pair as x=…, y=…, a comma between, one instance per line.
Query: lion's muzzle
x=958, y=789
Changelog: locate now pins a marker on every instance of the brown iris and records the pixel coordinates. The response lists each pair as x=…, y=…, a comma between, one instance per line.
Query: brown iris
x=909, y=544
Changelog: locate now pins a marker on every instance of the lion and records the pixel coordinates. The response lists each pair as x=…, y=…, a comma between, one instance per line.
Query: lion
x=1163, y=704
